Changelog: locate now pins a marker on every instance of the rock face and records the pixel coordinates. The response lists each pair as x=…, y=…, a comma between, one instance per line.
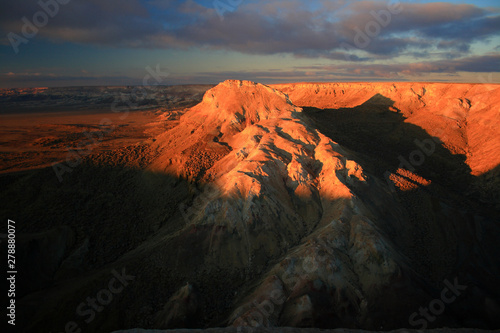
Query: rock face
x=465, y=117
x=181, y=310
x=309, y=216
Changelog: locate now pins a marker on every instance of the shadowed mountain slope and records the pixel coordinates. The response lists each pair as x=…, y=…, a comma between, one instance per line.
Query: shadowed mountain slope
x=254, y=211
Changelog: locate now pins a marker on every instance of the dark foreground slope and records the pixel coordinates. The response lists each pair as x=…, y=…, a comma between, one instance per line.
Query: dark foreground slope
x=256, y=212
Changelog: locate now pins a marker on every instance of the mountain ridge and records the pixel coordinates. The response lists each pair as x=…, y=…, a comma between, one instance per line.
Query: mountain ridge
x=252, y=203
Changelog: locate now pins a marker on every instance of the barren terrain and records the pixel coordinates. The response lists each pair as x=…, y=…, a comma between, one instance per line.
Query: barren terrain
x=349, y=205
x=39, y=126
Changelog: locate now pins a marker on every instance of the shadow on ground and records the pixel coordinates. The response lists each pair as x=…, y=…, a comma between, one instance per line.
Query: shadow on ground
x=378, y=131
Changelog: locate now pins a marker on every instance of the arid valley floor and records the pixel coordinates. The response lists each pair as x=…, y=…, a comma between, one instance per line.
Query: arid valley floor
x=371, y=206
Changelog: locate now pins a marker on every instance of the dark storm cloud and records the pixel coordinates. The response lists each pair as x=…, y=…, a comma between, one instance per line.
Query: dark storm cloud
x=269, y=27
x=111, y=22
x=300, y=31
x=466, y=30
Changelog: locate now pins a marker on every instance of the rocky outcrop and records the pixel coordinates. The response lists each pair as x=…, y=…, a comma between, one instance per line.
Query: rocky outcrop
x=287, y=217
x=465, y=117
x=181, y=310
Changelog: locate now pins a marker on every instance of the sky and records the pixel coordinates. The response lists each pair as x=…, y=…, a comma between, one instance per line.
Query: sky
x=53, y=43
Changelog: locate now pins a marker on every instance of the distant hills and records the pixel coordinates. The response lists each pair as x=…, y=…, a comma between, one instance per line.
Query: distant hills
x=68, y=98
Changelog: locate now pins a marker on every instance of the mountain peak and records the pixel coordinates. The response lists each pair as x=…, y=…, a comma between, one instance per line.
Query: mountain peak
x=244, y=102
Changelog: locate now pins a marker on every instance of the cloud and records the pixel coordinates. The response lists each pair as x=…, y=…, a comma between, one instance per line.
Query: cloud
x=111, y=22
x=316, y=73
x=268, y=27
x=325, y=30
x=473, y=64
x=300, y=31
x=353, y=72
